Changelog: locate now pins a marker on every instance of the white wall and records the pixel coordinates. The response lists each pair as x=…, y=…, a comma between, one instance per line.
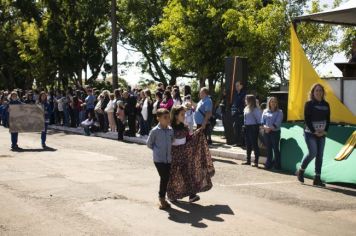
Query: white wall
x=349, y=92
x=350, y=95
x=335, y=85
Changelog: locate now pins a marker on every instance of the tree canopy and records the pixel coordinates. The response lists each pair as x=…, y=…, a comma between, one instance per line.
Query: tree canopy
x=50, y=42
x=136, y=18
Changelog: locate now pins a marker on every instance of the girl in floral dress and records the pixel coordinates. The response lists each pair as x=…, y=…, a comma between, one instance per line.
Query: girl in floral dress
x=192, y=166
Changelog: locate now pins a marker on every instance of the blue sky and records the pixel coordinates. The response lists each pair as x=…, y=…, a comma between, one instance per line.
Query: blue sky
x=133, y=74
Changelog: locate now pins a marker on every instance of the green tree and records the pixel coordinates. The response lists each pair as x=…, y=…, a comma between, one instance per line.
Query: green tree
x=318, y=40
x=14, y=72
x=198, y=35
x=346, y=42
x=257, y=28
x=77, y=33
x=136, y=18
x=194, y=39
x=32, y=55
x=52, y=41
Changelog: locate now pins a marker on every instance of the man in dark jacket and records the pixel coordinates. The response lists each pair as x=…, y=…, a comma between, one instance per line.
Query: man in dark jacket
x=105, y=122
x=237, y=109
x=130, y=111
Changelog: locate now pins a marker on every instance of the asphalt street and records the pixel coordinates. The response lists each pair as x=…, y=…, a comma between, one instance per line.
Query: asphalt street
x=96, y=186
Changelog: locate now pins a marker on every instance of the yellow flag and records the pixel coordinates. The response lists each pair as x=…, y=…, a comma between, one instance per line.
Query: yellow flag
x=303, y=76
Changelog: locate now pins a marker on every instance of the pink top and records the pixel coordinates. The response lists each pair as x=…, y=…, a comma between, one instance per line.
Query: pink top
x=167, y=105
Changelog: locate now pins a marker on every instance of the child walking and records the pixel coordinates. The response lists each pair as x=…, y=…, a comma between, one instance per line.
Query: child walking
x=192, y=166
x=160, y=141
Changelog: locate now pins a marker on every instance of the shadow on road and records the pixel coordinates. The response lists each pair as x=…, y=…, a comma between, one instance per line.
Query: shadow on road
x=220, y=145
x=193, y=213
x=224, y=161
x=47, y=149
x=350, y=190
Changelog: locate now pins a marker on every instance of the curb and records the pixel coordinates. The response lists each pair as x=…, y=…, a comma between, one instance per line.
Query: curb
x=108, y=135
x=113, y=136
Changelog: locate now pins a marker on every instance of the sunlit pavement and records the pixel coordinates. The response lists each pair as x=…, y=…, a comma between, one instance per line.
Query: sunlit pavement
x=95, y=186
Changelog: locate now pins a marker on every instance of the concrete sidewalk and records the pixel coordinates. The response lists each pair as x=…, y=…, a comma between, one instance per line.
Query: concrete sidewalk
x=217, y=149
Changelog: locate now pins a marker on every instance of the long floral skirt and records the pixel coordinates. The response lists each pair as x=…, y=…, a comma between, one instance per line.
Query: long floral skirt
x=191, y=168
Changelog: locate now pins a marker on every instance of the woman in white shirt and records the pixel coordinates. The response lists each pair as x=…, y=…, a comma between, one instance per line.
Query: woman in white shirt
x=110, y=108
x=146, y=113
x=177, y=100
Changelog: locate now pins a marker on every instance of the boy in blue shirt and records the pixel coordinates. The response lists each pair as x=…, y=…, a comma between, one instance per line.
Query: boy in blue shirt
x=160, y=141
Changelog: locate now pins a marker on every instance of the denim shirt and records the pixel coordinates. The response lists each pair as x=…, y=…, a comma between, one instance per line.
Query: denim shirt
x=272, y=119
x=204, y=106
x=15, y=102
x=252, y=117
x=160, y=141
x=90, y=100
x=47, y=111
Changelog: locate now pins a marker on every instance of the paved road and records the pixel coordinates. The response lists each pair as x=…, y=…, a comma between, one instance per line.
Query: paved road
x=95, y=186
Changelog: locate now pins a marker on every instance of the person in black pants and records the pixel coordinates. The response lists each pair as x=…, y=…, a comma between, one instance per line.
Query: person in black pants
x=104, y=103
x=317, y=120
x=52, y=119
x=237, y=110
x=252, y=121
x=271, y=121
x=14, y=100
x=130, y=111
x=120, y=114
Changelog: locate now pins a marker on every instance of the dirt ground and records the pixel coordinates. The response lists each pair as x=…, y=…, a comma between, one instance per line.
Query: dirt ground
x=95, y=186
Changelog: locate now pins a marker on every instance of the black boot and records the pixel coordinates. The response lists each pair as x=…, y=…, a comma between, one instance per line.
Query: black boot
x=247, y=162
x=194, y=198
x=317, y=181
x=277, y=164
x=300, y=175
x=256, y=162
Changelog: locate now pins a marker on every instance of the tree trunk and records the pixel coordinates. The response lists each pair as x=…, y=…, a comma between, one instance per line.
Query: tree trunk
x=211, y=85
x=202, y=82
x=80, y=75
x=86, y=74
x=115, y=79
x=173, y=80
